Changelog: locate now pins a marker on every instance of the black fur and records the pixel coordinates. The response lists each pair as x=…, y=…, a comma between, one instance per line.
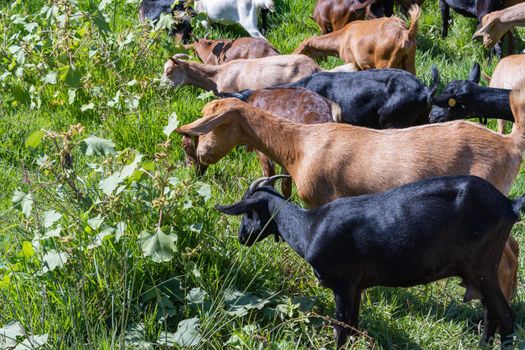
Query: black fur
x=415, y=234
x=471, y=100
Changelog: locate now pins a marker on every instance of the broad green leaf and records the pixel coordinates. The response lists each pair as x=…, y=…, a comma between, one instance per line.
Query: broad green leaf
x=115, y=100
x=205, y=95
x=196, y=296
x=99, y=239
x=50, y=217
x=35, y=139
x=95, y=222
x=50, y=78
x=173, y=123
x=188, y=333
x=135, y=336
x=129, y=169
x=165, y=21
x=148, y=165
x=71, y=95
x=24, y=200
x=33, y=342
x=121, y=229
x=109, y=184
x=52, y=233
x=165, y=308
x=204, y=190
x=53, y=259
x=103, y=4
x=70, y=75
x=9, y=333
x=22, y=96
x=90, y=105
x=27, y=249
x=159, y=246
x=100, y=22
x=239, y=304
x=96, y=145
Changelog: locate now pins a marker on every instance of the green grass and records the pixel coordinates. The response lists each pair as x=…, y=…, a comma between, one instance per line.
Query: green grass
x=91, y=301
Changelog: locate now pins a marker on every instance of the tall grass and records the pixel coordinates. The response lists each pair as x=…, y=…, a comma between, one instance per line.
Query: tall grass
x=115, y=292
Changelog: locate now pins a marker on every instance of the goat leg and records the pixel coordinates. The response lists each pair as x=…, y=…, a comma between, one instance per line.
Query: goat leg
x=445, y=16
x=346, y=312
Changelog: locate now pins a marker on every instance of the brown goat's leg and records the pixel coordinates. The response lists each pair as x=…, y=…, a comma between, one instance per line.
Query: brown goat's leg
x=266, y=164
x=286, y=185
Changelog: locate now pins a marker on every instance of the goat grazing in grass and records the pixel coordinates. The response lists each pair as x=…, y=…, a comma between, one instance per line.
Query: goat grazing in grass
x=333, y=160
x=295, y=104
x=225, y=50
x=467, y=99
x=377, y=43
x=375, y=98
x=415, y=234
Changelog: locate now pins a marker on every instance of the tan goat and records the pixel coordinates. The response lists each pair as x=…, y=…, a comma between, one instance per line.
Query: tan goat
x=377, y=43
x=509, y=74
x=495, y=24
x=242, y=74
x=328, y=161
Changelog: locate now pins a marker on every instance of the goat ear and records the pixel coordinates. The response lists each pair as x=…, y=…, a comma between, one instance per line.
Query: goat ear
x=206, y=124
x=475, y=73
x=239, y=208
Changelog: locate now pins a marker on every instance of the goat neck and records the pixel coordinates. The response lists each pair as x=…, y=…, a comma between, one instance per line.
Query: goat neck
x=202, y=75
x=279, y=139
x=323, y=45
x=494, y=102
x=292, y=223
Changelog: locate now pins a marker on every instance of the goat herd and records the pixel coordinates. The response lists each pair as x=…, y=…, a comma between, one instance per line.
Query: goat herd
x=421, y=201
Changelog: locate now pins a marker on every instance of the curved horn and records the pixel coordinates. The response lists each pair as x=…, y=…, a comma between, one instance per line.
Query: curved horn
x=181, y=56
x=206, y=35
x=266, y=181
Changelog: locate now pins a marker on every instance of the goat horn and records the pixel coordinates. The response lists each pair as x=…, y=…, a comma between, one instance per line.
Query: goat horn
x=266, y=181
x=181, y=56
x=206, y=35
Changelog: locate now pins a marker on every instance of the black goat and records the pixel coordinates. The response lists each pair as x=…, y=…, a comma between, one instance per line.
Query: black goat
x=469, y=8
x=152, y=9
x=373, y=98
x=415, y=234
x=466, y=99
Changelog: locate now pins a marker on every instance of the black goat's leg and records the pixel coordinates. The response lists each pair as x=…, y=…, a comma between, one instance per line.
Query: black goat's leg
x=264, y=17
x=445, y=16
x=345, y=311
x=286, y=185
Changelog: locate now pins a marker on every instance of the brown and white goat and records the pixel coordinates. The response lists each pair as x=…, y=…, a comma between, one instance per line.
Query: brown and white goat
x=329, y=161
x=377, y=43
x=225, y=50
x=295, y=104
x=508, y=74
x=333, y=15
x=495, y=24
x=243, y=74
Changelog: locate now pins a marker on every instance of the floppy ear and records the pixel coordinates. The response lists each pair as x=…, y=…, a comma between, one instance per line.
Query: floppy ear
x=475, y=73
x=239, y=207
x=205, y=125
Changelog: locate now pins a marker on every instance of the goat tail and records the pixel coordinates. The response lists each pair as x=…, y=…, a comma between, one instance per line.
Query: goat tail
x=243, y=95
x=517, y=105
x=415, y=13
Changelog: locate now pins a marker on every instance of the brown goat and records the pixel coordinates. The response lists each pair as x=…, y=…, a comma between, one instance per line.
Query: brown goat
x=333, y=15
x=225, y=50
x=495, y=24
x=296, y=104
x=508, y=74
x=376, y=43
x=329, y=161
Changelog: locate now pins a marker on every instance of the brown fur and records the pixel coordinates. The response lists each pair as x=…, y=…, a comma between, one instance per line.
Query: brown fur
x=225, y=50
x=328, y=161
x=296, y=104
x=238, y=75
x=508, y=74
x=378, y=43
x=495, y=24
x=332, y=15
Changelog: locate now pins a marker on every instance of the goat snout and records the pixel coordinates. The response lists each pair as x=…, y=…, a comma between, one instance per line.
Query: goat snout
x=437, y=115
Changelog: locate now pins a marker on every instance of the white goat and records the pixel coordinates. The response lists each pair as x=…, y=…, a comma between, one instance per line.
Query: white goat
x=244, y=12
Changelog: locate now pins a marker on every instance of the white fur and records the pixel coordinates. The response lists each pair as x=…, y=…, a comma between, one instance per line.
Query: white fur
x=244, y=12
